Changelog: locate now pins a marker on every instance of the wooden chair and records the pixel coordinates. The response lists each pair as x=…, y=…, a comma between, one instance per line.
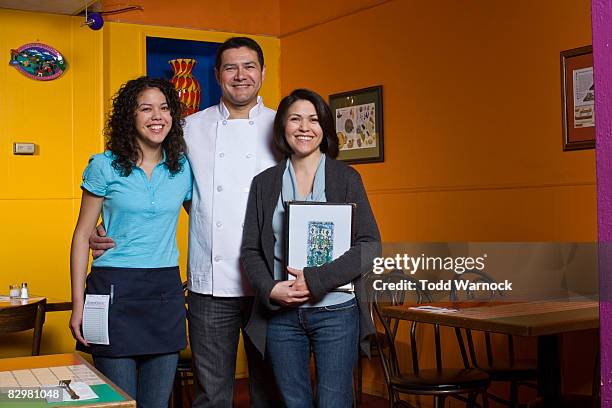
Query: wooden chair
x=504, y=370
x=183, y=378
x=25, y=317
x=396, y=298
x=438, y=382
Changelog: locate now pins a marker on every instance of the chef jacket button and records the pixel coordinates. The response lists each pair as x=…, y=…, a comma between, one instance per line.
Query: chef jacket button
x=152, y=202
x=221, y=155
x=217, y=258
x=248, y=156
x=243, y=225
x=219, y=188
x=219, y=224
x=251, y=122
x=224, y=122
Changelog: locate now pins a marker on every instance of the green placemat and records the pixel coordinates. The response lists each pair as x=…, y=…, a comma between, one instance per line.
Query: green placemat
x=104, y=391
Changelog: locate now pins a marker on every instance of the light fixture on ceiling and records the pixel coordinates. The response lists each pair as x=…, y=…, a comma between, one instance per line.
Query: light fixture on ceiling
x=95, y=20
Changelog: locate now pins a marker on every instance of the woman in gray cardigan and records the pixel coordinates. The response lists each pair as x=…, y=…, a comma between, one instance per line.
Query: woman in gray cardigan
x=291, y=318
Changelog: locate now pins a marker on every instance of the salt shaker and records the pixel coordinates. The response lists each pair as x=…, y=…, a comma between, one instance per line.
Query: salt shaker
x=24, y=291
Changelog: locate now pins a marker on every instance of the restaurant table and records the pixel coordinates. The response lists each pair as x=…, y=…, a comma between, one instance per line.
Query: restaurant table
x=546, y=320
x=109, y=394
x=53, y=305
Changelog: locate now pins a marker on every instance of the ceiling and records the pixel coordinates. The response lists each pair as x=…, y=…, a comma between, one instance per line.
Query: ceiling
x=68, y=7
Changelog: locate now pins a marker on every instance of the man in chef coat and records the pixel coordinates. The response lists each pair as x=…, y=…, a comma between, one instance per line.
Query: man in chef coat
x=227, y=145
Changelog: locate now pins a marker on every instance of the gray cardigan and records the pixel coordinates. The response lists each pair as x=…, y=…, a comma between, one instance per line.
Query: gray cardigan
x=342, y=185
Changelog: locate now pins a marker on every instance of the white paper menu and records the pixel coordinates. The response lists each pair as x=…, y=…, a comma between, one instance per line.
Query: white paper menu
x=95, y=319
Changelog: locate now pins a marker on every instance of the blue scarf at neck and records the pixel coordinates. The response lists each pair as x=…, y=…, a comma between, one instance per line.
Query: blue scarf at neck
x=290, y=186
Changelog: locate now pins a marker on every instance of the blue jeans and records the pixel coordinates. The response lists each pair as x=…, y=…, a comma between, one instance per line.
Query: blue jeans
x=214, y=330
x=332, y=334
x=148, y=379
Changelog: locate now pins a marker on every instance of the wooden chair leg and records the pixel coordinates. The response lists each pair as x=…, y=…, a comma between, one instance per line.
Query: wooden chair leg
x=439, y=401
x=391, y=397
x=485, y=399
x=471, y=399
x=514, y=394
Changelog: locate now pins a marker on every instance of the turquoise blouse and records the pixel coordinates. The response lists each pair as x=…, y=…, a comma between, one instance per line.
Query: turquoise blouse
x=139, y=214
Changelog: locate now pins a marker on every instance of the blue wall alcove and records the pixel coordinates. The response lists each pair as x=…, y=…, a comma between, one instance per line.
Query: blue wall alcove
x=162, y=50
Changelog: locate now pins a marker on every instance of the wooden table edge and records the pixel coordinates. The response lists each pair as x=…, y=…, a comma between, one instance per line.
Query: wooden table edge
x=58, y=305
x=53, y=305
x=485, y=325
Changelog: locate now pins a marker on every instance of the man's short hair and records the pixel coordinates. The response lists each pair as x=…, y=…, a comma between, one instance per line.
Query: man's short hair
x=238, y=42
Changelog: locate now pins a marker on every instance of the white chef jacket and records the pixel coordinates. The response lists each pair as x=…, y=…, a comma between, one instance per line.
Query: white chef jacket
x=225, y=155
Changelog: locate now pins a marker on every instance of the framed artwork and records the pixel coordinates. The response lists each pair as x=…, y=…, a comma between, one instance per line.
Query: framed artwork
x=359, y=124
x=577, y=98
x=317, y=233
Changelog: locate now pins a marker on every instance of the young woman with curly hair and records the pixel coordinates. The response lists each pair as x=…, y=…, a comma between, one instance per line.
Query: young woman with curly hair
x=139, y=185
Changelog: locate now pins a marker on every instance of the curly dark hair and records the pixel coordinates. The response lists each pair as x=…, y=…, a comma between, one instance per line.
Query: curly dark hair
x=121, y=133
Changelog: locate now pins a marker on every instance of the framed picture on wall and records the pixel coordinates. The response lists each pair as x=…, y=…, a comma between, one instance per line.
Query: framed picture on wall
x=359, y=124
x=578, y=98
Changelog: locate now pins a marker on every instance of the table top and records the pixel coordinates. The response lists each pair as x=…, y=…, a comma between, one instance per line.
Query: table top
x=53, y=305
x=536, y=318
x=58, y=360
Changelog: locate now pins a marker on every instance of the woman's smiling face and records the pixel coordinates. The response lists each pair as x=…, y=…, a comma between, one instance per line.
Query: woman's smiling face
x=302, y=129
x=152, y=119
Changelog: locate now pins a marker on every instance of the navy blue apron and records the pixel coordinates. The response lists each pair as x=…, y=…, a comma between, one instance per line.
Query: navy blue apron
x=146, y=314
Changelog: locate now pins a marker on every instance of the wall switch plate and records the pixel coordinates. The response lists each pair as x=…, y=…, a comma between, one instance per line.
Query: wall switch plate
x=24, y=148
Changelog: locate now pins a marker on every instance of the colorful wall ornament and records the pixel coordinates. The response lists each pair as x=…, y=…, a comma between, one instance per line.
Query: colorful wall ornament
x=38, y=61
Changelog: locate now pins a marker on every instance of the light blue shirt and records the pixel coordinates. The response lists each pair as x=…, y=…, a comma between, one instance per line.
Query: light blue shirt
x=139, y=214
x=290, y=193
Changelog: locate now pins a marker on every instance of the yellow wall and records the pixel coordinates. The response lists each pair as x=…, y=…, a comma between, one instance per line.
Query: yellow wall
x=40, y=194
x=40, y=198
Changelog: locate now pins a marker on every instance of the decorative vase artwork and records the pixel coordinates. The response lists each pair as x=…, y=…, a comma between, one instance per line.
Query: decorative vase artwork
x=38, y=61
x=320, y=244
x=186, y=84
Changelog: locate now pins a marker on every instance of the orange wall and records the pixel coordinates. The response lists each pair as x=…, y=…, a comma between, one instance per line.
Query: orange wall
x=472, y=118
x=240, y=16
x=299, y=15
x=472, y=121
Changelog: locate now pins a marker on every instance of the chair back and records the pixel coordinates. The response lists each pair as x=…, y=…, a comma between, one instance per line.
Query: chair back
x=473, y=276
x=25, y=317
x=382, y=295
x=476, y=276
